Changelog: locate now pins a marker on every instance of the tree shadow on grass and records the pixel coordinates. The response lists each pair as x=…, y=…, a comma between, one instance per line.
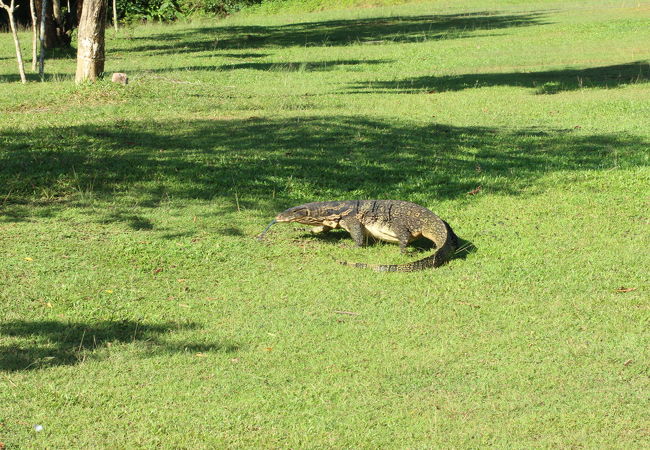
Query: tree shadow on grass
x=230, y=231
x=545, y=82
x=297, y=66
x=134, y=221
x=276, y=163
x=334, y=32
x=49, y=343
x=240, y=55
x=15, y=78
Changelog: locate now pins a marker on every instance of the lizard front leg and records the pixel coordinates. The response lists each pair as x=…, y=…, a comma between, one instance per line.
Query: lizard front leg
x=354, y=227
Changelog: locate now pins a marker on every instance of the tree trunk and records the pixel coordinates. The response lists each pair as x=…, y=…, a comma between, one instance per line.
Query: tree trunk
x=19, y=53
x=32, y=10
x=56, y=35
x=56, y=13
x=90, y=52
x=62, y=37
x=12, y=23
x=115, y=14
x=41, y=56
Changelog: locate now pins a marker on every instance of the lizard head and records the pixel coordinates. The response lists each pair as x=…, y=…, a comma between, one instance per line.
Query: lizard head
x=302, y=214
x=317, y=213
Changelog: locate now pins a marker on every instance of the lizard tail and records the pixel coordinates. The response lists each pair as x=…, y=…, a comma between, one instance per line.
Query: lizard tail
x=446, y=243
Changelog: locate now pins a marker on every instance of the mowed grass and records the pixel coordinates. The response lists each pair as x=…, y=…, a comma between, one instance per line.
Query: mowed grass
x=138, y=310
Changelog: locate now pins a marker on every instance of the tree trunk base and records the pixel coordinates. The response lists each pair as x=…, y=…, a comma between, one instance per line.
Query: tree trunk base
x=90, y=51
x=89, y=69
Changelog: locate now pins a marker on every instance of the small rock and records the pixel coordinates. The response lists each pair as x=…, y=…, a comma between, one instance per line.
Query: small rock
x=119, y=77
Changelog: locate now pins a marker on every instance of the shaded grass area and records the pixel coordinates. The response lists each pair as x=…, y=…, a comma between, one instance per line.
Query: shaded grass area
x=545, y=82
x=335, y=32
x=46, y=343
x=34, y=77
x=294, y=66
x=294, y=159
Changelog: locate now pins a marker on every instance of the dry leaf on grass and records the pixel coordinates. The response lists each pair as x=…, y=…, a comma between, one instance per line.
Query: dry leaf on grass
x=469, y=304
x=624, y=289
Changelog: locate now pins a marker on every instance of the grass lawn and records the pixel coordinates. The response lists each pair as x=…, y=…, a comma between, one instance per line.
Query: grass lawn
x=138, y=310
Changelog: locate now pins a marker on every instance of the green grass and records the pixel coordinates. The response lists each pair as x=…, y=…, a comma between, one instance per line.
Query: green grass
x=138, y=310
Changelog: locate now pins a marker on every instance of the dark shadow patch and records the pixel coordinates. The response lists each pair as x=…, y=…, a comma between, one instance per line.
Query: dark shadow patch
x=15, y=78
x=24, y=211
x=422, y=244
x=241, y=55
x=134, y=221
x=300, y=66
x=544, y=82
x=15, y=213
x=333, y=236
x=48, y=343
x=179, y=235
x=465, y=248
x=64, y=52
x=230, y=231
x=377, y=30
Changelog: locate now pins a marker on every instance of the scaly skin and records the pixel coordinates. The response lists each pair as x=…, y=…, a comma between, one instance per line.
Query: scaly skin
x=389, y=220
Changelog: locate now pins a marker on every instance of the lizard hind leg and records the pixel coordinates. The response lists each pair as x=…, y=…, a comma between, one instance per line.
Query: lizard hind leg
x=404, y=238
